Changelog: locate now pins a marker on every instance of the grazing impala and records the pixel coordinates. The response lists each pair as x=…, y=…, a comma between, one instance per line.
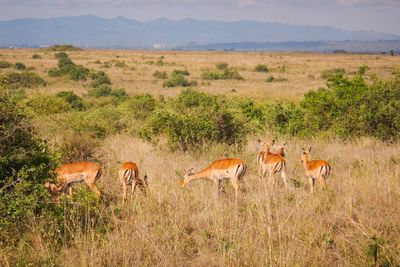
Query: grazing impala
x=233, y=169
x=272, y=163
x=315, y=169
x=129, y=175
x=70, y=173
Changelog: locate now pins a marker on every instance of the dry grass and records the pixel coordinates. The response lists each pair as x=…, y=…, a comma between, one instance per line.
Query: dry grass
x=195, y=227
x=271, y=226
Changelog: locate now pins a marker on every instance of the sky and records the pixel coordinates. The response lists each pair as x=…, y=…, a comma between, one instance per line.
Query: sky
x=376, y=15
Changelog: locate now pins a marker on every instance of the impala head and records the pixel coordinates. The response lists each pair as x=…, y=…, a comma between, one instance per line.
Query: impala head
x=266, y=145
x=52, y=187
x=304, y=154
x=183, y=180
x=146, y=180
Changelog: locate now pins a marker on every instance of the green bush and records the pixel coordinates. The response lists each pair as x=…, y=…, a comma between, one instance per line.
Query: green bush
x=160, y=75
x=139, y=106
x=36, y=56
x=119, y=93
x=121, y=64
x=63, y=48
x=97, y=123
x=221, y=65
x=178, y=80
x=197, y=119
x=25, y=79
x=25, y=163
x=261, y=68
x=348, y=107
x=68, y=68
x=45, y=105
x=99, y=91
x=78, y=73
x=19, y=66
x=226, y=74
x=211, y=75
x=5, y=64
x=72, y=99
x=271, y=79
x=99, y=78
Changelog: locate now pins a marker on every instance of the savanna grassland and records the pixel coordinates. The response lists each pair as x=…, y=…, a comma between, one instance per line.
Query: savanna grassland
x=170, y=111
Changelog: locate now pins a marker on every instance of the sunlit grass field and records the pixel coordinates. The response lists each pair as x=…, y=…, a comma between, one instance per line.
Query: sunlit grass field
x=353, y=222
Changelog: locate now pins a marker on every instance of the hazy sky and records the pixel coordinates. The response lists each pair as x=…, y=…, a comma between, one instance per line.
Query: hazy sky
x=378, y=15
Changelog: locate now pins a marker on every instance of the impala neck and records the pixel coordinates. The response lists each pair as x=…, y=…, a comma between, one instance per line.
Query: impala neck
x=305, y=161
x=203, y=174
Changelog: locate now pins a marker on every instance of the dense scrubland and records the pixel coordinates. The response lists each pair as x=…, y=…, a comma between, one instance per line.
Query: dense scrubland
x=171, y=111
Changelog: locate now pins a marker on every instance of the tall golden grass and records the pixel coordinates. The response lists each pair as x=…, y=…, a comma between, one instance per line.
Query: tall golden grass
x=271, y=226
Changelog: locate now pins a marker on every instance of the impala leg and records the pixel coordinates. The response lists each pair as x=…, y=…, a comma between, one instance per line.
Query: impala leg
x=94, y=188
x=133, y=186
x=124, y=188
x=283, y=174
x=312, y=181
x=323, y=181
x=235, y=186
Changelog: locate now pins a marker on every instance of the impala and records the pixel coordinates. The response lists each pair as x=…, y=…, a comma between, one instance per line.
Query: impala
x=315, y=169
x=233, y=169
x=70, y=173
x=128, y=174
x=272, y=163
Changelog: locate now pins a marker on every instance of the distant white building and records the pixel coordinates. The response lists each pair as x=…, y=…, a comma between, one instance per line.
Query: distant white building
x=159, y=46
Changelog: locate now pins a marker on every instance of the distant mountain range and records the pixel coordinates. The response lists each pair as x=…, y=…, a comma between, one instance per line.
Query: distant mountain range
x=96, y=32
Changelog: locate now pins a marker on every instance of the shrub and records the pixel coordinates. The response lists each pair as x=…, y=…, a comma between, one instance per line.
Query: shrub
x=78, y=147
x=198, y=119
x=99, y=91
x=347, y=107
x=119, y=92
x=72, y=99
x=221, y=65
x=67, y=67
x=330, y=73
x=97, y=123
x=120, y=64
x=180, y=72
x=19, y=66
x=45, y=105
x=160, y=75
x=78, y=73
x=139, y=106
x=261, y=68
x=25, y=163
x=221, y=75
x=211, y=75
x=271, y=79
x=63, y=48
x=25, y=79
x=178, y=80
x=231, y=75
x=99, y=78
x=36, y=56
x=5, y=64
